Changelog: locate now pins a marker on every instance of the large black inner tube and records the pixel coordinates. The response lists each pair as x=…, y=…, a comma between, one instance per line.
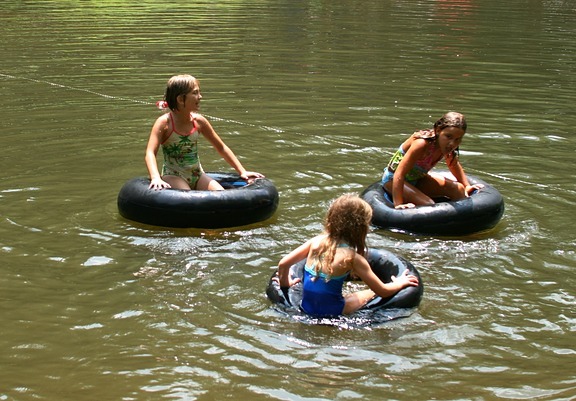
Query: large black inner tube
x=240, y=204
x=384, y=264
x=479, y=212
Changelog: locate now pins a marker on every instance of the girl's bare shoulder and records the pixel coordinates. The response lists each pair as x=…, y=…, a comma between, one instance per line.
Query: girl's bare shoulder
x=200, y=119
x=415, y=143
x=162, y=124
x=316, y=241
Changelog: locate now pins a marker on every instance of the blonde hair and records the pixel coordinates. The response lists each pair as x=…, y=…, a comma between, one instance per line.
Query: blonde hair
x=347, y=221
x=176, y=86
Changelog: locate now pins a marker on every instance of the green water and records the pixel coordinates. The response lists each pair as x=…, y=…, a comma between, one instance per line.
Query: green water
x=316, y=95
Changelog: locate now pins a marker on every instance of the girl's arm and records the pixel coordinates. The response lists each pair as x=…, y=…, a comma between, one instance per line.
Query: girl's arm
x=209, y=133
x=385, y=290
x=293, y=257
x=415, y=150
x=156, y=138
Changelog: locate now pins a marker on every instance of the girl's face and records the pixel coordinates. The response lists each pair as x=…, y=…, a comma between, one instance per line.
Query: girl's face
x=191, y=100
x=449, y=139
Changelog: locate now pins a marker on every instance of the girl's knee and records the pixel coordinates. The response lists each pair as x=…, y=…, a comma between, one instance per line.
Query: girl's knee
x=459, y=190
x=357, y=300
x=215, y=186
x=206, y=182
x=426, y=201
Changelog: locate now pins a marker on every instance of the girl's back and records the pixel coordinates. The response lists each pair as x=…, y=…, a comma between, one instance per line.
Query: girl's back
x=342, y=263
x=322, y=283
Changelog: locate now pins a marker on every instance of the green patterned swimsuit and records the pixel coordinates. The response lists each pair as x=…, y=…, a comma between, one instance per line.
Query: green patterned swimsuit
x=181, y=155
x=421, y=167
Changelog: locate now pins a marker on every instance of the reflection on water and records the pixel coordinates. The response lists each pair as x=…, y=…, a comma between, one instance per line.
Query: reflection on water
x=316, y=96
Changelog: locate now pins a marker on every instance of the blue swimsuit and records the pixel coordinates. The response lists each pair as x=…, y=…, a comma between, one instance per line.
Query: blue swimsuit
x=322, y=295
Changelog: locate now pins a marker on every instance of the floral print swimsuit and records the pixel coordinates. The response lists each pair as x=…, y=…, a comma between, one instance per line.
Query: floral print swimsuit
x=181, y=155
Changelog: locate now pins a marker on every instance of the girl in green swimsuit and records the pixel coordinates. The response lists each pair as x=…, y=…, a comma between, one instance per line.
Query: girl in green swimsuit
x=177, y=132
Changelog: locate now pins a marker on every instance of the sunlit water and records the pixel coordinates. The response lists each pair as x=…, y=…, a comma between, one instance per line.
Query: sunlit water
x=316, y=96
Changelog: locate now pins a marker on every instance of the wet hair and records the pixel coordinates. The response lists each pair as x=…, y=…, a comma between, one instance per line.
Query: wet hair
x=347, y=221
x=176, y=86
x=451, y=119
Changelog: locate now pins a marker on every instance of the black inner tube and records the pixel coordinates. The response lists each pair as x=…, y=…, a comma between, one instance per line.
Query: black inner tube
x=384, y=264
x=479, y=212
x=240, y=204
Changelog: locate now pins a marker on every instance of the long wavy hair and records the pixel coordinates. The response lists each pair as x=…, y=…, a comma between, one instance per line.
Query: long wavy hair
x=347, y=222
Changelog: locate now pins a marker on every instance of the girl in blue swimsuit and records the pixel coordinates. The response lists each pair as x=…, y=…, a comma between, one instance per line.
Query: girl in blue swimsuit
x=333, y=256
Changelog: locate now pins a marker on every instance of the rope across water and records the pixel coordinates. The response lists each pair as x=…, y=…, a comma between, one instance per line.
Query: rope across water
x=268, y=128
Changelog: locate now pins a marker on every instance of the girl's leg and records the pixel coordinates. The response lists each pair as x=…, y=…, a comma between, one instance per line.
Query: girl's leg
x=357, y=300
x=176, y=182
x=436, y=185
x=412, y=194
x=205, y=182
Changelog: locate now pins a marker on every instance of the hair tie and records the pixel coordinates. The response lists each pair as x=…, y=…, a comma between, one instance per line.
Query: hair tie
x=162, y=104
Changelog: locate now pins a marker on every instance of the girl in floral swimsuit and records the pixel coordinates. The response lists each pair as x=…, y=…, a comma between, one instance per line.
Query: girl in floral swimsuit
x=177, y=132
x=407, y=175
x=335, y=254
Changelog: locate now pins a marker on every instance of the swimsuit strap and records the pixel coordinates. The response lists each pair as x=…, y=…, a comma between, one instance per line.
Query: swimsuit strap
x=194, y=125
x=326, y=277
x=311, y=269
x=341, y=245
x=172, y=122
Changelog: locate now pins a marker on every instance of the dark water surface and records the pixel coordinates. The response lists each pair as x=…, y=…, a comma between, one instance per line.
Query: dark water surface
x=315, y=95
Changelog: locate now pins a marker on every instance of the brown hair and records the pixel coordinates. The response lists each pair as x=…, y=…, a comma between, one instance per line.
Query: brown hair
x=451, y=119
x=347, y=221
